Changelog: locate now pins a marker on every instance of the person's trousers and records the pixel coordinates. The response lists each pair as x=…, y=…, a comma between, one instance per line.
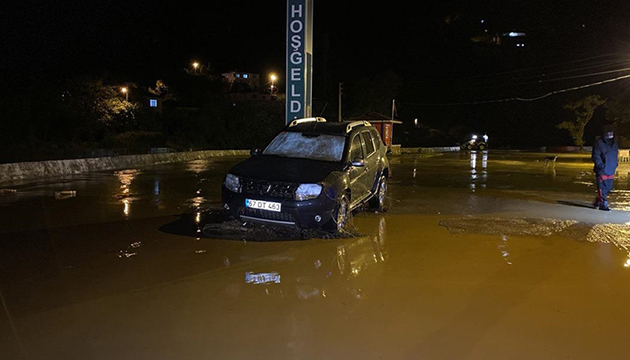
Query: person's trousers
x=604, y=187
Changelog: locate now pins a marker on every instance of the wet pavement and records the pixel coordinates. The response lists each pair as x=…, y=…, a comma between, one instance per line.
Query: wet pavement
x=483, y=255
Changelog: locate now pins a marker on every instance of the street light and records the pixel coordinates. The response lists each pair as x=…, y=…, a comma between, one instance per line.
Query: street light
x=273, y=80
x=195, y=65
x=126, y=92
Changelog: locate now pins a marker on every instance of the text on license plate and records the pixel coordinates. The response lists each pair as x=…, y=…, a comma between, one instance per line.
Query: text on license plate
x=263, y=205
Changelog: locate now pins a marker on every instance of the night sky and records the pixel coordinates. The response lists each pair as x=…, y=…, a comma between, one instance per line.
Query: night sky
x=428, y=46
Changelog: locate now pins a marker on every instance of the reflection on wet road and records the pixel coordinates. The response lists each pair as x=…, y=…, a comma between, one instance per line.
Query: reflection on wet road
x=483, y=255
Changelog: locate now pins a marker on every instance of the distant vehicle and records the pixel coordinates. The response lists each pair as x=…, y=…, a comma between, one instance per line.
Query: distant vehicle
x=475, y=143
x=311, y=175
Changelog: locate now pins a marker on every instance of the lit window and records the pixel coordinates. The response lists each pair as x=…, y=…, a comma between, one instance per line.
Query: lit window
x=245, y=76
x=153, y=102
x=238, y=75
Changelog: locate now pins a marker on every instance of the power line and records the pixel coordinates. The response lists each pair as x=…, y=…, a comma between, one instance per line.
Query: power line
x=524, y=99
x=539, y=67
x=552, y=80
x=601, y=65
x=577, y=76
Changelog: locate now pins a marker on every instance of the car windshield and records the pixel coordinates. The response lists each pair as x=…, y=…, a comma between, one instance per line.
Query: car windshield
x=321, y=147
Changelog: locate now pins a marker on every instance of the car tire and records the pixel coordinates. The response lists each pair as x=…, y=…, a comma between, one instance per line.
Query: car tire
x=482, y=146
x=469, y=147
x=340, y=216
x=377, y=202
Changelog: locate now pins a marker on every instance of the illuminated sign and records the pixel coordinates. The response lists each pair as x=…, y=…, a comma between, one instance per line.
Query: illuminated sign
x=299, y=59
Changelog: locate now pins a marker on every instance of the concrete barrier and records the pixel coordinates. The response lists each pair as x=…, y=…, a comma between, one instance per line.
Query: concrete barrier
x=38, y=169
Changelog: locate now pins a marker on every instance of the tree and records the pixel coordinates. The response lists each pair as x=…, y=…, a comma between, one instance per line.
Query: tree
x=618, y=114
x=583, y=110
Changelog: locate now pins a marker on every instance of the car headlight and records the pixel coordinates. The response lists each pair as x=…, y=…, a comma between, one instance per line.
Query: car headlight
x=307, y=192
x=233, y=183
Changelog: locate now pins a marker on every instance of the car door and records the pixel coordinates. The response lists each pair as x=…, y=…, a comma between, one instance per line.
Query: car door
x=371, y=162
x=357, y=174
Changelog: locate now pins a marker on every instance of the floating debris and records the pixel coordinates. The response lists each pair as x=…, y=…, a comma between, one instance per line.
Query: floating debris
x=126, y=254
x=8, y=191
x=261, y=232
x=616, y=234
x=509, y=227
x=65, y=194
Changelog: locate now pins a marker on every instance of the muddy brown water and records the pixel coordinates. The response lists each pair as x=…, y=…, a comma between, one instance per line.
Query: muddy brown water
x=491, y=256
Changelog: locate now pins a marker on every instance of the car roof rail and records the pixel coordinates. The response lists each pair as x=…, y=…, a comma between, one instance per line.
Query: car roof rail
x=305, y=120
x=354, y=124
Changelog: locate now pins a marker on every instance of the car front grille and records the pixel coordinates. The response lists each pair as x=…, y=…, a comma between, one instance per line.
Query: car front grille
x=262, y=187
x=267, y=215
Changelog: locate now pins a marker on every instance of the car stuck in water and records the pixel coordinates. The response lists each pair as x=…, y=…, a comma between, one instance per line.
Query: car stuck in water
x=311, y=175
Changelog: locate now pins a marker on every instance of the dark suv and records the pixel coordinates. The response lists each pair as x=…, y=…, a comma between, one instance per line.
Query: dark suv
x=312, y=174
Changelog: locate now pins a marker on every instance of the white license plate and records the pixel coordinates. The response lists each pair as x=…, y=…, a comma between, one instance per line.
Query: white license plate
x=263, y=205
x=262, y=278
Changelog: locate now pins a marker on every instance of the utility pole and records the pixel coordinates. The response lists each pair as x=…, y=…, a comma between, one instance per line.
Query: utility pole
x=340, y=93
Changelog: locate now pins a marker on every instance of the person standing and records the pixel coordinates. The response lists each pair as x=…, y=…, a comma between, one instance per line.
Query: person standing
x=605, y=156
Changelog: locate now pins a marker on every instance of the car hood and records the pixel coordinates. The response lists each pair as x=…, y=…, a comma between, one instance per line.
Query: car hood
x=273, y=168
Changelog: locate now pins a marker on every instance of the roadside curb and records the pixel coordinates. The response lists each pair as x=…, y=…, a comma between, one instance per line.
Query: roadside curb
x=429, y=150
x=38, y=169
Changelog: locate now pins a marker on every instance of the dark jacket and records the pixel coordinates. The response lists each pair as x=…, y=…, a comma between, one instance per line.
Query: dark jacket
x=605, y=154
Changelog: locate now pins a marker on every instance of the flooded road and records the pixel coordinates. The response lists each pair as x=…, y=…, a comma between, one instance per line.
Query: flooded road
x=481, y=256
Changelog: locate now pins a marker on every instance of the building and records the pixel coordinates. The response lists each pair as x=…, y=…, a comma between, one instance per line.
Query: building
x=238, y=81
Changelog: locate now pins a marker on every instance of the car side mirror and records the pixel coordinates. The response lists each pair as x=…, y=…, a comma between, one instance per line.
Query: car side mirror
x=358, y=162
x=255, y=152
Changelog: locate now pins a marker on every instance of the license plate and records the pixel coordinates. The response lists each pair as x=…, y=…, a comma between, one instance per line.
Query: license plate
x=263, y=205
x=262, y=278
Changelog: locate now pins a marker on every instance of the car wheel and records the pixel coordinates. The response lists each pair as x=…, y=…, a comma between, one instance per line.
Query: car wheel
x=482, y=147
x=469, y=147
x=377, y=202
x=340, y=216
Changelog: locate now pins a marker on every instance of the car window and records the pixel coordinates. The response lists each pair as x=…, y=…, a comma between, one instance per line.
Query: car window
x=356, y=150
x=369, y=143
x=306, y=146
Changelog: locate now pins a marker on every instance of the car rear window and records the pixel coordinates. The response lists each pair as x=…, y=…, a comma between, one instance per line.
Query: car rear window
x=356, y=150
x=321, y=147
x=369, y=144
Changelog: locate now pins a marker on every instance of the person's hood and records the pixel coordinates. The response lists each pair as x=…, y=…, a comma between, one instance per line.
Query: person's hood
x=282, y=169
x=605, y=130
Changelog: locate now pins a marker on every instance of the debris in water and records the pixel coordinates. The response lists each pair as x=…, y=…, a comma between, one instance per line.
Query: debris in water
x=616, y=234
x=258, y=232
x=508, y=227
x=65, y=194
x=126, y=254
x=8, y=191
